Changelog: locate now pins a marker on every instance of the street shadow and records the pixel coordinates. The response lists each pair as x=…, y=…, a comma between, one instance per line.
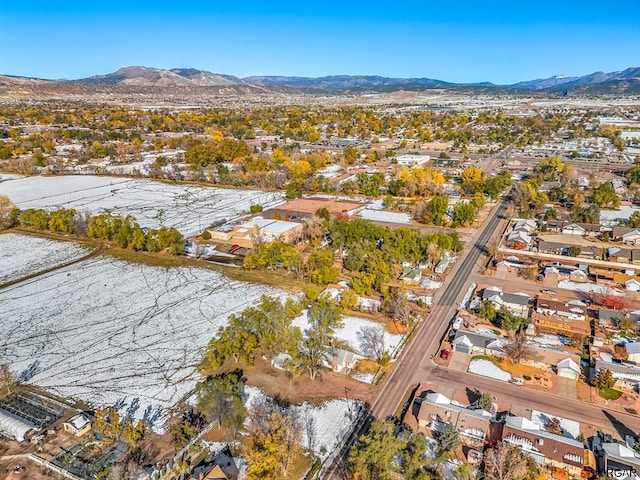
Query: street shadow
x=620, y=427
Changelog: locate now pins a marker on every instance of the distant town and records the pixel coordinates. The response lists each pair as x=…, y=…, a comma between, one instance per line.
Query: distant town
x=277, y=282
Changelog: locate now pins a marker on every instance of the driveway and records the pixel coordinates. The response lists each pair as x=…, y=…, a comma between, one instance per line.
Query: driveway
x=459, y=361
x=567, y=388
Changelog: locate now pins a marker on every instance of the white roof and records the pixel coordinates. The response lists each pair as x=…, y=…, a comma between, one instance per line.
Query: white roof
x=568, y=363
x=79, y=421
x=632, y=347
x=279, y=226
x=14, y=426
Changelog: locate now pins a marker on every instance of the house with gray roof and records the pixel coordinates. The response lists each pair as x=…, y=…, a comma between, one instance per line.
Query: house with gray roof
x=516, y=303
x=486, y=343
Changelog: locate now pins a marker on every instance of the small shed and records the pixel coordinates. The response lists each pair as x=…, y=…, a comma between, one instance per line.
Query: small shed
x=567, y=368
x=280, y=360
x=77, y=425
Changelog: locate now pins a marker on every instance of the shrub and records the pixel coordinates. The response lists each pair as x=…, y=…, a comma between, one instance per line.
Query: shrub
x=206, y=235
x=255, y=208
x=610, y=393
x=527, y=377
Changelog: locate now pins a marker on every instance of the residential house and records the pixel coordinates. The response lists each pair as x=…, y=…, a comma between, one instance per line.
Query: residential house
x=564, y=317
x=631, y=238
x=562, y=248
x=611, y=318
x=573, y=228
x=436, y=411
x=621, y=371
x=619, y=186
x=516, y=303
x=633, y=351
x=519, y=240
x=624, y=255
x=546, y=448
x=573, y=309
x=486, y=343
x=617, y=458
x=339, y=360
x=632, y=285
x=77, y=425
x=411, y=275
x=567, y=368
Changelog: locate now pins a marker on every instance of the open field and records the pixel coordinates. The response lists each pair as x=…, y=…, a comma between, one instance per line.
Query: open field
x=189, y=208
x=22, y=255
x=110, y=332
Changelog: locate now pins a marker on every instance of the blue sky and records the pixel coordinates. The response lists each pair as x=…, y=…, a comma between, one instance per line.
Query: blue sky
x=458, y=41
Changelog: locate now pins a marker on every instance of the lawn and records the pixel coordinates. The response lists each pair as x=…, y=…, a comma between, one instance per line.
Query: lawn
x=610, y=393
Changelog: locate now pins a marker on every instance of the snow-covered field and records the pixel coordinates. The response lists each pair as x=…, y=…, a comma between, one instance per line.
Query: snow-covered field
x=115, y=333
x=22, y=255
x=570, y=428
x=488, y=369
x=189, y=208
x=332, y=420
x=349, y=333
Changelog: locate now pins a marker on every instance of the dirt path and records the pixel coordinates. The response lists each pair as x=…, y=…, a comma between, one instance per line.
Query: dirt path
x=95, y=252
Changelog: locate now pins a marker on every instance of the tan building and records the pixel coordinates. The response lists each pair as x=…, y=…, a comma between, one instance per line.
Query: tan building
x=258, y=228
x=77, y=425
x=436, y=411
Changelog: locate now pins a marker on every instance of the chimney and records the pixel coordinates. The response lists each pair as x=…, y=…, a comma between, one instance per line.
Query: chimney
x=201, y=476
x=335, y=361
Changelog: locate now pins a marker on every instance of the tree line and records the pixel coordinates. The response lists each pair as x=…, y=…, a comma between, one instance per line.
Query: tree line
x=124, y=232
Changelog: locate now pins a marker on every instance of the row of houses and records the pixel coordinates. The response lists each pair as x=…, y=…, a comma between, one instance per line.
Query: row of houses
x=478, y=428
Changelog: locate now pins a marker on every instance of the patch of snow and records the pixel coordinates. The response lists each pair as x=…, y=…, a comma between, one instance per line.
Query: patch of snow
x=118, y=334
x=332, y=420
x=488, y=369
x=189, y=208
x=22, y=255
x=364, y=377
x=548, y=340
x=349, y=332
x=570, y=428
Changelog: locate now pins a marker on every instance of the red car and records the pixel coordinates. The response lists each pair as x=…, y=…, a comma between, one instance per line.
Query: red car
x=444, y=354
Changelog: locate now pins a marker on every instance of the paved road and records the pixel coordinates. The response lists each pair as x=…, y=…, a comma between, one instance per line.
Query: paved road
x=415, y=360
x=415, y=364
x=429, y=334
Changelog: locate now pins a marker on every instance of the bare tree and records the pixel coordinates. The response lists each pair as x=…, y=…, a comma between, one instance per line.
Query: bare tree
x=372, y=342
x=517, y=348
x=398, y=308
x=309, y=423
x=507, y=463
